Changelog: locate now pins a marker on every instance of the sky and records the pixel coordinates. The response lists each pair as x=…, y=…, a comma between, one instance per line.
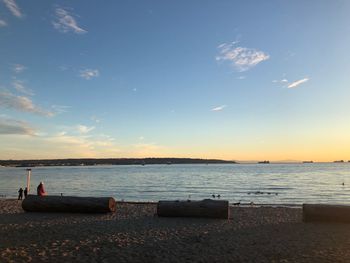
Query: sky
x=234, y=80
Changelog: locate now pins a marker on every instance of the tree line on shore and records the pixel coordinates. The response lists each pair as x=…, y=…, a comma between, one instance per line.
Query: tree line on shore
x=108, y=161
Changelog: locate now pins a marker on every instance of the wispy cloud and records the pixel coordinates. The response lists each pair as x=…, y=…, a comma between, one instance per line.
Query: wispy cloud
x=21, y=103
x=65, y=22
x=19, y=86
x=297, y=83
x=60, y=108
x=283, y=81
x=84, y=129
x=89, y=73
x=12, y=6
x=95, y=119
x=10, y=126
x=146, y=150
x=2, y=23
x=82, y=145
x=242, y=58
x=18, y=68
x=219, y=108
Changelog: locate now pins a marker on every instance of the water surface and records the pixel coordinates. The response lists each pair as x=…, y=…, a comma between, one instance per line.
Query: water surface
x=258, y=183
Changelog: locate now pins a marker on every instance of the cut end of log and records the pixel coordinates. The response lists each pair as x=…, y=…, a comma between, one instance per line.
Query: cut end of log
x=112, y=204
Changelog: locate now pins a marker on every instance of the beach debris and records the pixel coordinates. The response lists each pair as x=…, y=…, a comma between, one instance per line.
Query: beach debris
x=205, y=208
x=326, y=213
x=237, y=204
x=70, y=204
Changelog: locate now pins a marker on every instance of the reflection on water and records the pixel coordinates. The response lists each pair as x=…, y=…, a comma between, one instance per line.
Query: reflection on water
x=258, y=183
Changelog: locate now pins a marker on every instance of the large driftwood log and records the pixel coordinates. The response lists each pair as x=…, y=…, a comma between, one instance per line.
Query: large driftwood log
x=69, y=204
x=205, y=208
x=326, y=213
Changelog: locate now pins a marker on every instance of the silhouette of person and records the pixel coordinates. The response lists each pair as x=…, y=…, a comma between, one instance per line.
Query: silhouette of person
x=25, y=192
x=20, y=193
x=41, y=190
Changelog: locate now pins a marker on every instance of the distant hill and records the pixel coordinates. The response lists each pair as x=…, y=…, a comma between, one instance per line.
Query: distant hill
x=108, y=161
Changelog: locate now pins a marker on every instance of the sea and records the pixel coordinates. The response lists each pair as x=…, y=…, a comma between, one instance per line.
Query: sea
x=258, y=184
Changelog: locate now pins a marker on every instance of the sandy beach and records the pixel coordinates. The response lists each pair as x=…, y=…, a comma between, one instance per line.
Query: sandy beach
x=135, y=234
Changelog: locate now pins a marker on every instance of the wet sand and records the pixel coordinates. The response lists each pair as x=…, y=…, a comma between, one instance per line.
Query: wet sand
x=135, y=234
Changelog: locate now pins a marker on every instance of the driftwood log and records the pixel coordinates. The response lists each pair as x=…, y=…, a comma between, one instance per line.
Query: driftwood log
x=69, y=204
x=205, y=208
x=326, y=213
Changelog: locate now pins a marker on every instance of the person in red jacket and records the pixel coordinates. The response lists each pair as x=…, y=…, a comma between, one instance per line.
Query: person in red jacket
x=41, y=190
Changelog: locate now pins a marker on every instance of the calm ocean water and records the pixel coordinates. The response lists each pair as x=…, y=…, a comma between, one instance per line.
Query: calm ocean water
x=258, y=183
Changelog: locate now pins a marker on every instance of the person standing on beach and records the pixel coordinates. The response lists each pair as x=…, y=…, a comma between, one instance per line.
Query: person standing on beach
x=20, y=193
x=41, y=190
x=25, y=192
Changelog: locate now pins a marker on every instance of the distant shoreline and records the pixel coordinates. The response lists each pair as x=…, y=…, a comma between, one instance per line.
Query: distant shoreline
x=140, y=161
x=109, y=161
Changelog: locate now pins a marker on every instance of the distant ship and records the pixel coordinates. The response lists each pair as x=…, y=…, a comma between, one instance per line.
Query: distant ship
x=340, y=161
x=308, y=161
x=264, y=162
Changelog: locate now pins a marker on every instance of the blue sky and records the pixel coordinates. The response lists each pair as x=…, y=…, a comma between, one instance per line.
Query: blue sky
x=242, y=80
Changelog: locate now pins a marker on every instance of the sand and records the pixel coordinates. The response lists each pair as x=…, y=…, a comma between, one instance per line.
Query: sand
x=135, y=234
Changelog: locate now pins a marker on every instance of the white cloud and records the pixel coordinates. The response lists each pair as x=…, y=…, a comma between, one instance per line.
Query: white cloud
x=10, y=126
x=18, y=68
x=65, y=22
x=12, y=6
x=84, y=129
x=242, y=58
x=297, y=83
x=219, y=108
x=19, y=86
x=21, y=103
x=241, y=77
x=89, y=73
x=2, y=23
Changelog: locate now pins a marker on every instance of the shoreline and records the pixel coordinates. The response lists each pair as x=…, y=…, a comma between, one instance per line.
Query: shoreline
x=134, y=233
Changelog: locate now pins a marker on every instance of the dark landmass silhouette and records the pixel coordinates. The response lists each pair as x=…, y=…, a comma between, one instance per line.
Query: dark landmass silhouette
x=108, y=161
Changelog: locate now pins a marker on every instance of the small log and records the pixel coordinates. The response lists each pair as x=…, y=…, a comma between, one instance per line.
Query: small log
x=326, y=213
x=205, y=208
x=69, y=204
